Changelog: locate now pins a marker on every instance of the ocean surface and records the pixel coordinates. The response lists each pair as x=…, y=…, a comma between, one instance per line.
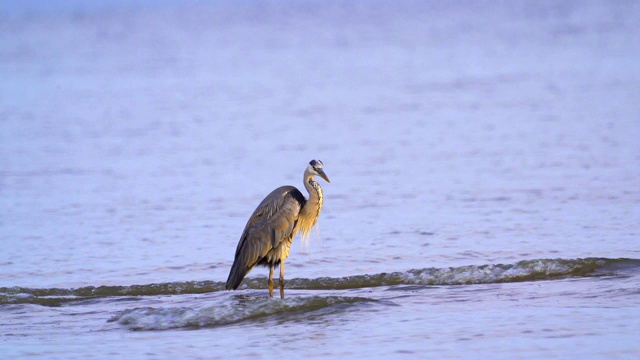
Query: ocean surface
x=484, y=159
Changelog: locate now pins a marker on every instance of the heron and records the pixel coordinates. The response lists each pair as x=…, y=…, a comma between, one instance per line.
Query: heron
x=267, y=237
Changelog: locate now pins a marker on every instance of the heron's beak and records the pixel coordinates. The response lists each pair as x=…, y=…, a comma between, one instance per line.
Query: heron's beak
x=323, y=175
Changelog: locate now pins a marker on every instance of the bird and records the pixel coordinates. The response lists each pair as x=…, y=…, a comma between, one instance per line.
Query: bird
x=270, y=230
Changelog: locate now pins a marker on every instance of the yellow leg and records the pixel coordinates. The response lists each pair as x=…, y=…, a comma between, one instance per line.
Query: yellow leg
x=270, y=281
x=282, y=279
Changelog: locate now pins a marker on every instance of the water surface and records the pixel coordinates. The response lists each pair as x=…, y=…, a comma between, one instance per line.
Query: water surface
x=484, y=164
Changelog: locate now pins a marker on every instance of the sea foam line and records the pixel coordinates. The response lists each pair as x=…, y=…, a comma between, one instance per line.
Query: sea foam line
x=525, y=270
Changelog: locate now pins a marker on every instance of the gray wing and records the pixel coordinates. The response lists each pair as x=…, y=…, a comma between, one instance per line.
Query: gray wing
x=273, y=221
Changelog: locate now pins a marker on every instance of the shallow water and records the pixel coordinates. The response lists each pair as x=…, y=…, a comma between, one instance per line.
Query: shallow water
x=484, y=164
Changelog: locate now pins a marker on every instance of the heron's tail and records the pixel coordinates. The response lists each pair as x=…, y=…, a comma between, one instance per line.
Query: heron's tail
x=236, y=275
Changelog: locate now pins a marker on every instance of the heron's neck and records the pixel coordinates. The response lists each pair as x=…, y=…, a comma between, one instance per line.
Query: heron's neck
x=315, y=192
x=311, y=209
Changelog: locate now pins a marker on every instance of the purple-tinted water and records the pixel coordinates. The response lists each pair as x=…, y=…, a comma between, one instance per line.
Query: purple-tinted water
x=135, y=140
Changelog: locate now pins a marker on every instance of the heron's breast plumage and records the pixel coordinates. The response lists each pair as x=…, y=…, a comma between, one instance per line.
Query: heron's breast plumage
x=311, y=211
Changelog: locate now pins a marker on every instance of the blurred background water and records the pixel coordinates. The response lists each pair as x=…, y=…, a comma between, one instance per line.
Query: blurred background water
x=137, y=137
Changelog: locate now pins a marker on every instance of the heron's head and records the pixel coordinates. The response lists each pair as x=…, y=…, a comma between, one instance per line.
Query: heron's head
x=315, y=168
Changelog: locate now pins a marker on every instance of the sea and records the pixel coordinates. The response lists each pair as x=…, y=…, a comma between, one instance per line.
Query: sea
x=484, y=159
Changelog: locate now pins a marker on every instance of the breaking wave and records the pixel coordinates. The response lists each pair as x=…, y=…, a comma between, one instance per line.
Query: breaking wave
x=239, y=308
x=526, y=270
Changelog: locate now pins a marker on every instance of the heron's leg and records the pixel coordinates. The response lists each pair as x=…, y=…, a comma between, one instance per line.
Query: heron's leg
x=270, y=281
x=282, y=279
